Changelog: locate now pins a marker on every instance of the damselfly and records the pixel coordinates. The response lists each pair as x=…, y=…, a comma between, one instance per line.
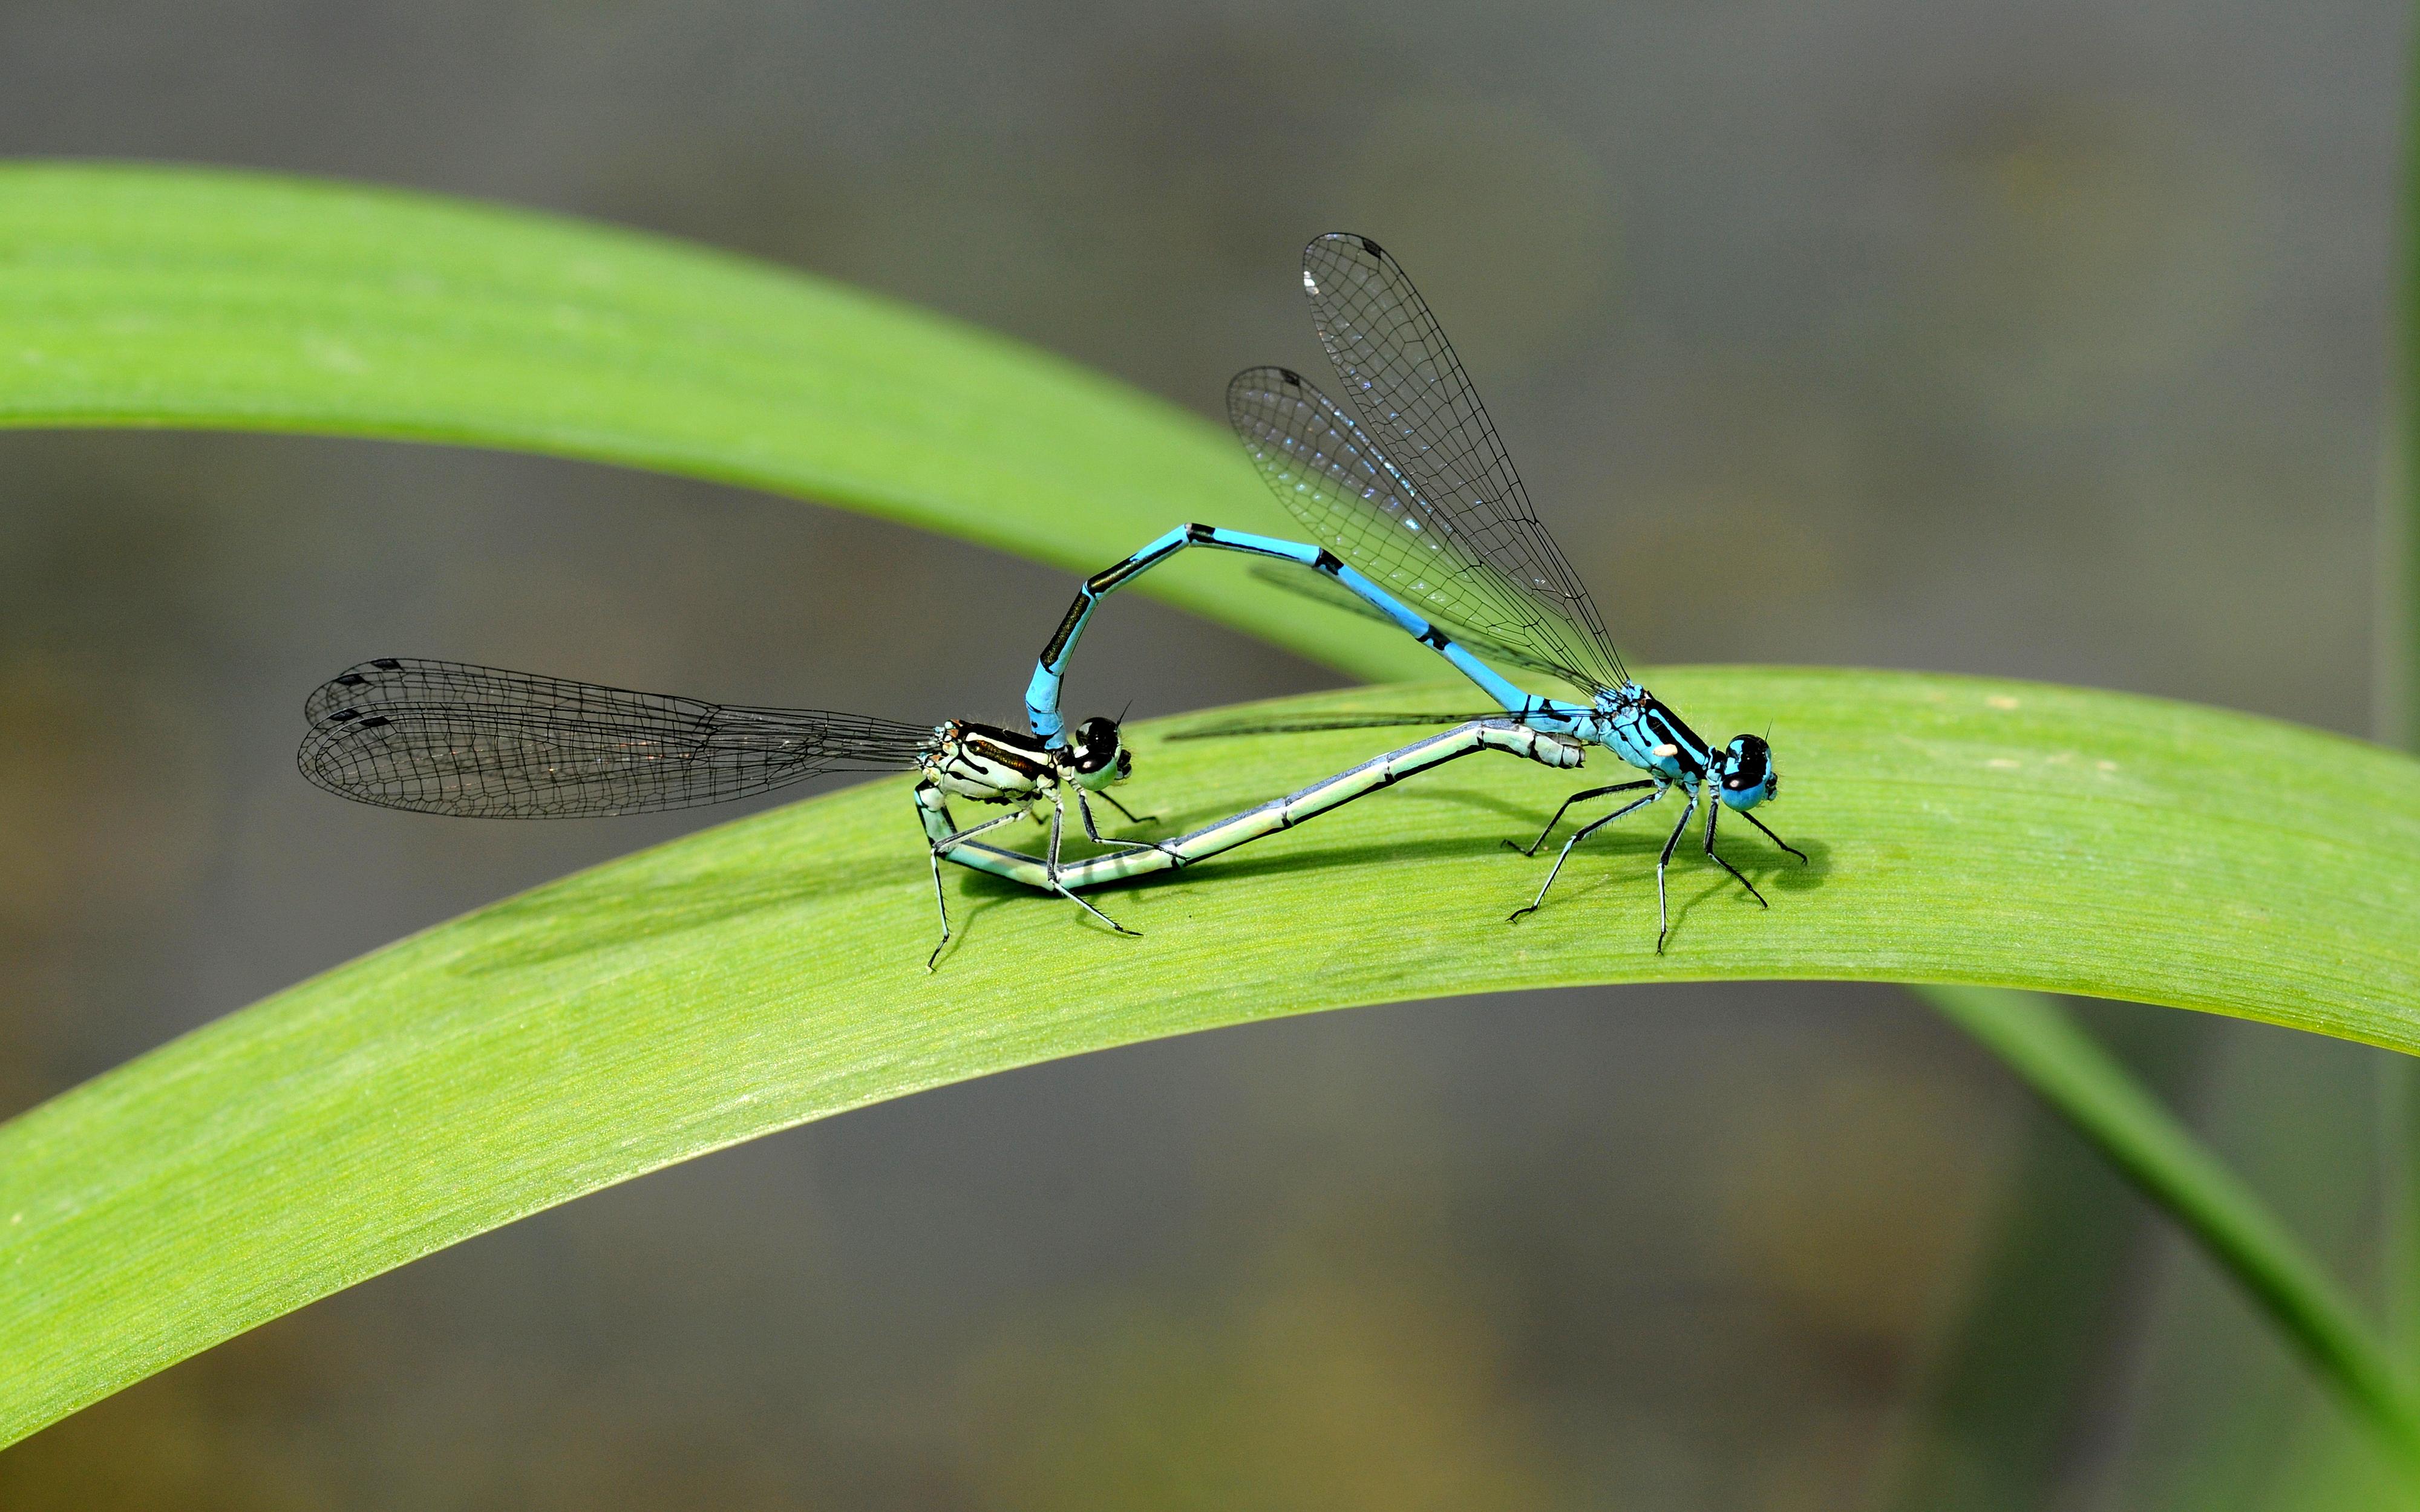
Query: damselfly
x=1417, y=504
x=443, y=738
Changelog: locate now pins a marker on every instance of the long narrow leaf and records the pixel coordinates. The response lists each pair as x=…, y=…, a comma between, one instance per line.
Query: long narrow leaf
x=2095, y=1093
x=2397, y=719
x=2046, y=1319
x=204, y=299
x=769, y=972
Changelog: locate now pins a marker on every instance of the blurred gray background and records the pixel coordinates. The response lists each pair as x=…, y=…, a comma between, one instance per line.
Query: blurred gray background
x=2040, y=339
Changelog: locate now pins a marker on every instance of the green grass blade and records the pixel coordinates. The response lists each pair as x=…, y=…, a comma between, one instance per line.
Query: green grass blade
x=2397, y=719
x=1998, y=1418
x=2162, y=1158
x=2399, y=632
x=201, y=299
x=770, y=971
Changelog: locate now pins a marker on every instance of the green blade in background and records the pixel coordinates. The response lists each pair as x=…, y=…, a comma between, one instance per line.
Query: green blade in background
x=2260, y=1259
x=212, y=300
x=2025, y=1366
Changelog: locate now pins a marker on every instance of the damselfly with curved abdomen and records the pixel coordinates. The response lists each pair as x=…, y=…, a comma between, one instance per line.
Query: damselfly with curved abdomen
x=1416, y=509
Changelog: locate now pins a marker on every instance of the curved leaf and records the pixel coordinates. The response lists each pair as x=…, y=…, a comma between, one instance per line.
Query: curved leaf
x=770, y=971
x=205, y=299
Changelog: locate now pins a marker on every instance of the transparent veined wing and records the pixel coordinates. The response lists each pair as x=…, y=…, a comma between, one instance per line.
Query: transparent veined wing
x=1402, y=377
x=443, y=738
x=1353, y=500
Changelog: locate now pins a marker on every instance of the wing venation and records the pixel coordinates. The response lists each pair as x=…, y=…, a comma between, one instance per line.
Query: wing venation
x=447, y=738
x=1416, y=402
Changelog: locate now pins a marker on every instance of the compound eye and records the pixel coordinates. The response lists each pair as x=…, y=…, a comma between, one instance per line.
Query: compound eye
x=1096, y=744
x=1750, y=760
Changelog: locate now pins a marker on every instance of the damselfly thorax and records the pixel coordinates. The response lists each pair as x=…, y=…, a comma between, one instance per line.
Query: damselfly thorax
x=991, y=764
x=988, y=764
x=1642, y=730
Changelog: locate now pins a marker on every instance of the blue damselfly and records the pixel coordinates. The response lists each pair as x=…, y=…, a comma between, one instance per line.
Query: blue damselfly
x=1415, y=508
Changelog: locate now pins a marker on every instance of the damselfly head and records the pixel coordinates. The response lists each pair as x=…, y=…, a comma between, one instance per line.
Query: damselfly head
x=1746, y=772
x=1098, y=756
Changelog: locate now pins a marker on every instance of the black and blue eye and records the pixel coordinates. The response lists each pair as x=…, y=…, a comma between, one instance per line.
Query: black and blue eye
x=1096, y=745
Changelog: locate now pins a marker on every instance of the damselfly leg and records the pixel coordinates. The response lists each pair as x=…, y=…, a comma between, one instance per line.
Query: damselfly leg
x=1132, y=817
x=1058, y=825
x=1093, y=831
x=940, y=897
x=1662, y=862
x=1776, y=838
x=1580, y=834
x=1663, y=913
x=1581, y=796
x=1714, y=812
x=972, y=831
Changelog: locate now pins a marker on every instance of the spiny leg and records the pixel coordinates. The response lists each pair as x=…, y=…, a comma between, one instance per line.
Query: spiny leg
x=1578, y=835
x=1776, y=838
x=1058, y=822
x=942, y=901
x=972, y=831
x=1092, y=832
x=1714, y=812
x=940, y=897
x=1132, y=817
x=1663, y=917
x=1532, y=849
